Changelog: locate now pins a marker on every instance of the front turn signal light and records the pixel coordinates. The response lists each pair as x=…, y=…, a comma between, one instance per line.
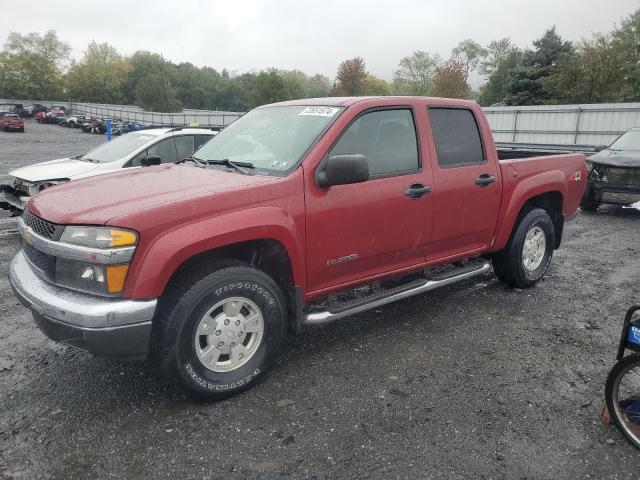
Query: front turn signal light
x=123, y=238
x=116, y=276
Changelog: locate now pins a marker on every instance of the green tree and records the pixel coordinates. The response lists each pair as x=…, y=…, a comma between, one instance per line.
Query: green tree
x=99, y=76
x=350, y=78
x=318, y=86
x=525, y=85
x=470, y=54
x=31, y=66
x=414, y=73
x=496, y=89
x=156, y=94
x=449, y=80
x=375, y=86
x=295, y=84
x=626, y=41
x=268, y=87
x=144, y=64
x=497, y=52
x=591, y=75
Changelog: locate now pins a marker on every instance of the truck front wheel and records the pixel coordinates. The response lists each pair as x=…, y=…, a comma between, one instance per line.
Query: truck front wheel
x=527, y=256
x=221, y=335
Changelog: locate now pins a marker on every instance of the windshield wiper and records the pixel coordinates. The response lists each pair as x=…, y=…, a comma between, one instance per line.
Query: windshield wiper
x=193, y=159
x=239, y=166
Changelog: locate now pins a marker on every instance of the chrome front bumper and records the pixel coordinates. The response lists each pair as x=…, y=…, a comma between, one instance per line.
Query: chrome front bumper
x=104, y=326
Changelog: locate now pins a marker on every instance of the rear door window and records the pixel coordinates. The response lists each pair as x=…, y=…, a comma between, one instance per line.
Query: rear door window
x=456, y=136
x=166, y=150
x=201, y=140
x=184, y=146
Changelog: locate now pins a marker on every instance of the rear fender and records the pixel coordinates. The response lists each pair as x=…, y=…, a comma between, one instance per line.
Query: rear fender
x=151, y=271
x=526, y=189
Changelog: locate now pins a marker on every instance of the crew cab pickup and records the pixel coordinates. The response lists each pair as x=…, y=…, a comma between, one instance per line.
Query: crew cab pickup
x=299, y=213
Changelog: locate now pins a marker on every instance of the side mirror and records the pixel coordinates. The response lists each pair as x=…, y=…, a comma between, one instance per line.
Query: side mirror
x=599, y=148
x=343, y=170
x=150, y=160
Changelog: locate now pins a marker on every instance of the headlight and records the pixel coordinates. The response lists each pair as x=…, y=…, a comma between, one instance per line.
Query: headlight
x=99, y=237
x=96, y=278
x=37, y=187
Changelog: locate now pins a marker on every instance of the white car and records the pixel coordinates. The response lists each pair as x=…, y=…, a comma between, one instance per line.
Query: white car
x=127, y=151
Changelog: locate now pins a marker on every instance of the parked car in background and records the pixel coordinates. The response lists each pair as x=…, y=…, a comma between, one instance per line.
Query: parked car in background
x=74, y=121
x=162, y=145
x=127, y=127
x=11, y=121
x=298, y=213
x=7, y=108
x=614, y=173
x=55, y=115
x=31, y=110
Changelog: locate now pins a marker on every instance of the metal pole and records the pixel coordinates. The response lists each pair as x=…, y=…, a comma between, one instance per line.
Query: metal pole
x=575, y=137
x=515, y=126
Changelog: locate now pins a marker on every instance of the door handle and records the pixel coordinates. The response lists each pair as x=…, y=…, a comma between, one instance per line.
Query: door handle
x=484, y=180
x=417, y=190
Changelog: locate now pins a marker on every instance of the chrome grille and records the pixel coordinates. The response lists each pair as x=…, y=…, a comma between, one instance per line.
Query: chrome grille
x=38, y=225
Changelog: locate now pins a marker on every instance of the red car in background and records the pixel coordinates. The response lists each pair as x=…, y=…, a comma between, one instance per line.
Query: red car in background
x=55, y=115
x=11, y=121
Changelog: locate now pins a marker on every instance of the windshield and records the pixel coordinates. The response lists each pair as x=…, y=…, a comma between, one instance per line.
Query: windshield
x=273, y=139
x=117, y=148
x=628, y=141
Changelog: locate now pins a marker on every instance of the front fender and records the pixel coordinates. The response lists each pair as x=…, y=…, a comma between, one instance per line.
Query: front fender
x=526, y=189
x=151, y=271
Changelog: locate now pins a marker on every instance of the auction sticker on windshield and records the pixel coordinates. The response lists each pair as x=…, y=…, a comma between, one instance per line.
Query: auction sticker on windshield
x=320, y=111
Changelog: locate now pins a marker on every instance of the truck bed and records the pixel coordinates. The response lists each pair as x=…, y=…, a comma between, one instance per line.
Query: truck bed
x=509, y=150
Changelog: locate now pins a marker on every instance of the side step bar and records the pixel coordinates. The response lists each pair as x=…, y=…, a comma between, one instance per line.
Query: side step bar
x=319, y=318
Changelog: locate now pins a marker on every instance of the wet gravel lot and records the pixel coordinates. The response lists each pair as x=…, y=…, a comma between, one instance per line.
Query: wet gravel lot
x=472, y=381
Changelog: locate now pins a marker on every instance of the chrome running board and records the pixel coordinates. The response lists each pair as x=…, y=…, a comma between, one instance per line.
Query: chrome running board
x=377, y=300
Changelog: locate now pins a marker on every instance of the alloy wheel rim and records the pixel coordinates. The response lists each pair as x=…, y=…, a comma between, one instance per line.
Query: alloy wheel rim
x=534, y=248
x=229, y=334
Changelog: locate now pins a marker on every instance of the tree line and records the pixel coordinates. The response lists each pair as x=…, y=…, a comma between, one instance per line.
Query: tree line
x=602, y=68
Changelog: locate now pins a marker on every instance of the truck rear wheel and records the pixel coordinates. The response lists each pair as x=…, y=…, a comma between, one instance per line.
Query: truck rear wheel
x=223, y=333
x=527, y=256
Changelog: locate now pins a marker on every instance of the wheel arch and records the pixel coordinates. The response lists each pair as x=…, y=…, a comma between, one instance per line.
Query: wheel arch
x=551, y=199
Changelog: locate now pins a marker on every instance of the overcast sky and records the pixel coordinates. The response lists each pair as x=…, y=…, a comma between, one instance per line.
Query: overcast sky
x=311, y=36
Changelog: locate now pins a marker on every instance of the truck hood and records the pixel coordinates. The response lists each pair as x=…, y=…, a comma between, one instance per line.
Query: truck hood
x=54, y=169
x=96, y=200
x=617, y=158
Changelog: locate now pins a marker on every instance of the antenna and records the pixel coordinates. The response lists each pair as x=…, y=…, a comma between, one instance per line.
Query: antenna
x=166, y=102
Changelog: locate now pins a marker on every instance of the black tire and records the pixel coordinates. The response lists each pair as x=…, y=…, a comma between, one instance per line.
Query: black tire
x=182, y=311
x=616, y=373
x=589, y=203
x=508, y=263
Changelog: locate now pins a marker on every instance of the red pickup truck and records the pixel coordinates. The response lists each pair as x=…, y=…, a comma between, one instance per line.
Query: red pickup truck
x=299, y=213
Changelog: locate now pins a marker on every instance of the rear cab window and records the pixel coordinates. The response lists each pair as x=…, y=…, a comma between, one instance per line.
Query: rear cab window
x=456, y=136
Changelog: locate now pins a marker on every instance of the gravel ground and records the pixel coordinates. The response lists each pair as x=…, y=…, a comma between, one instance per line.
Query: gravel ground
x=472, y=381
